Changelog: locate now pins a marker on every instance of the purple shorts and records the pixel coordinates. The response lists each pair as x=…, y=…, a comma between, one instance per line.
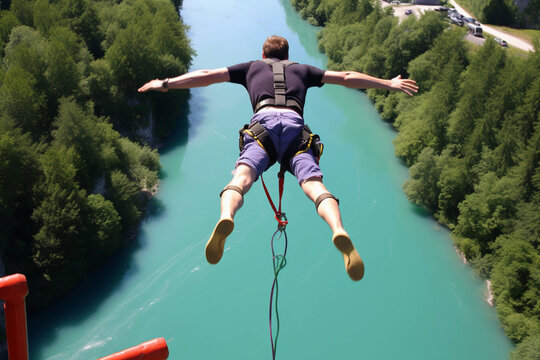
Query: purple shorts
x=284, y=127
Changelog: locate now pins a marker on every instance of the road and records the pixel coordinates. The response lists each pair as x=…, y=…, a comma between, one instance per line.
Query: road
x=418, y=10
x=510, y=39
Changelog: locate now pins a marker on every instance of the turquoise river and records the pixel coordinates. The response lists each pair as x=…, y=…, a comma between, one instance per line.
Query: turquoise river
x=418, y=300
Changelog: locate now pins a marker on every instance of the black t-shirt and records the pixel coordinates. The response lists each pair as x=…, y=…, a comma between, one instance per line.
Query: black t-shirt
x=258, y=79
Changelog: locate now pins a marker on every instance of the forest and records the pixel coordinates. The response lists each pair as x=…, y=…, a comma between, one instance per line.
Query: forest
x=77, y=165
x=471, y=140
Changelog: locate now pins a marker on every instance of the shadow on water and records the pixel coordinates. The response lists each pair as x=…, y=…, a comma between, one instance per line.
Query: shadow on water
x=178, y=135
x=85, y=299
x=421, y=211
x=156, y=207
x=187, y=125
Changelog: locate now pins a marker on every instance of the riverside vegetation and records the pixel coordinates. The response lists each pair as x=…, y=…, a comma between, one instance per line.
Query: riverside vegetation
x=71, y=186
x=471, y=138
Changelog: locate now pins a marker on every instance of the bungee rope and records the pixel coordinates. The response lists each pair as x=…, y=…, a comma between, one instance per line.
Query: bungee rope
x=279, y=261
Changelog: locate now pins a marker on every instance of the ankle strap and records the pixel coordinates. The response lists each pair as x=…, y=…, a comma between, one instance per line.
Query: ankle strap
x=323, y=197
x=234, y=188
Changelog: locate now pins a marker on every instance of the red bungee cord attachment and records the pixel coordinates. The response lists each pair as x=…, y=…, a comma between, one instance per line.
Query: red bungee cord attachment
x=279, y=216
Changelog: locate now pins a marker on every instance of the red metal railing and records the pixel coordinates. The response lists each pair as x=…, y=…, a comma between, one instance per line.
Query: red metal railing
x=13, y=290
x=151, y=350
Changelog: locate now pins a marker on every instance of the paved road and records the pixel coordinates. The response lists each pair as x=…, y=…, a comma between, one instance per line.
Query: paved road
x=418, y=10
x=510, y=39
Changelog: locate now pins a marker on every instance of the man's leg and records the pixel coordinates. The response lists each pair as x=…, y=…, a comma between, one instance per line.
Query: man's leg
x=328, y=209
x=232, y=199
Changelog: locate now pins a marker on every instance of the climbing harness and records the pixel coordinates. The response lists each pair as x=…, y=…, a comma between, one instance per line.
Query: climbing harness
x=305, y=141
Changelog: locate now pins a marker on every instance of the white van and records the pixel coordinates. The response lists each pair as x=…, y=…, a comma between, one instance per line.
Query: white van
x=474, y=29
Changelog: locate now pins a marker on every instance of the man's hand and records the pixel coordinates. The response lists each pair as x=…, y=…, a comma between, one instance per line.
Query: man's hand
x=408, y=86
x=155, y=85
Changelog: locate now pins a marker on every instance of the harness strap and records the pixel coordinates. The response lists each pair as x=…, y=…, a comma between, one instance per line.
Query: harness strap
x=323, y=197
x=259, y=133
x=280, y=87
x=234, y=188
x=305, y=141
x=290, y=103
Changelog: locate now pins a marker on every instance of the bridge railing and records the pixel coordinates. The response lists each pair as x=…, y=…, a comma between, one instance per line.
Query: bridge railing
x=14, y=289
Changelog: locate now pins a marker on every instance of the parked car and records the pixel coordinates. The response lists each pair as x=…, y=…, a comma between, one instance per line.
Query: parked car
x=456, y=20
x=501, y=42
x=471, y=20
x=454, y=13
x=441, y=8
x=408, y=12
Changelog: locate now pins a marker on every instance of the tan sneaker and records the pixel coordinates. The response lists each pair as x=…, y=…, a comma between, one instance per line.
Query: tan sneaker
x=353, y=262
x=216, y=244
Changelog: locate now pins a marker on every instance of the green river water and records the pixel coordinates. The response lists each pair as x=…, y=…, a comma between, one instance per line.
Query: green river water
x=417, y=300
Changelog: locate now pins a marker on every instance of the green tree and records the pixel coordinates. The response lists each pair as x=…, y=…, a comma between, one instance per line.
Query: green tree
x=46, y=16
x=124, y=194
x=454, y=184
x=25, y=49
x=530, y=165
x=19, y=166
x=20, y=101
x=80, y=130
x=62, y=73
x=102, y=89
x=422, y=188
x=489, y=211
x=478, y=81
x=22, y=9
x=83, y=19
x=59, y=245
x=409, y=40
x=105, y=227
x=424, y=122
x=7, y=22
x=529, y=349
x=516, y=282
x=448, y=52
x=142, y=163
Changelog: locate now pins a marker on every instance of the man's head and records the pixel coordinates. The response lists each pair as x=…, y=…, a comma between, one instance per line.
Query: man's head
x=276, y=47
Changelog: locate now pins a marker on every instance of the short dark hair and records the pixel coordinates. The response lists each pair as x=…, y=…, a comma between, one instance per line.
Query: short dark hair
x=276, y=47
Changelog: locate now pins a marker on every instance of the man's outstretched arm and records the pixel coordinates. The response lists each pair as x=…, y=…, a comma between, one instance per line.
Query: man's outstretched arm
x=357, y=80
x=189, y=80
